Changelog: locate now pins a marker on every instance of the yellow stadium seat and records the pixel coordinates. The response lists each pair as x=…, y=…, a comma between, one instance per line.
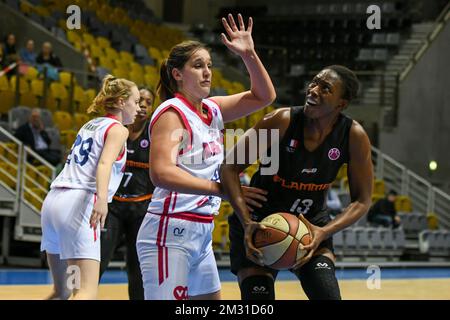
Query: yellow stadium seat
x=126, y=56
x=6, y=176
x=37, y=87
x=378, y=186
x=29, y=99
x=220, y=235
x=112, y=54
x=136, y=67
x=42, y=11
x=90, y=94
x=80, y=119
x=7, y=100
x=4, y=84
x=96, y=51
x=65, y=78
x=73, y=36
x=89, y=39
x=432, y=221
x=58, y=90
x=32, y=73
x=155, y=53
x=105, y=62
x=151, y=80
x=121, y=64
x=68, y=137
x=103, y=42
x=137, y=78
x=23, y=83
x=225, y=210
x=376, y=197
x=62, y=120
x=50, y=102
x=403, y=204
x=120, y=73
x=150, y=69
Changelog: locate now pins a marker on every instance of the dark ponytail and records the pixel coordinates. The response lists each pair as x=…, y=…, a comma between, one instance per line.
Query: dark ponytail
x=167, y=86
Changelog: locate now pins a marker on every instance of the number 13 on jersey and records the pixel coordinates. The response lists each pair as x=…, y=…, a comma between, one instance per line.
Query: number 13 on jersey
x=301, y=206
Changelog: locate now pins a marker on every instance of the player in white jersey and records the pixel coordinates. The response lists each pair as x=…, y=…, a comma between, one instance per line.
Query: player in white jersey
x=175, y=240
x=76, y=206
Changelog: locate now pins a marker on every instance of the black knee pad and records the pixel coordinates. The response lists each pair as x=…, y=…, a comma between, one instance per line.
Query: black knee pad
x=258, y=287
x=319, y=280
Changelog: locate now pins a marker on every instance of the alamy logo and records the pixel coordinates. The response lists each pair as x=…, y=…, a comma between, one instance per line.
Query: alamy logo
x=177, y=232
x=322, y=265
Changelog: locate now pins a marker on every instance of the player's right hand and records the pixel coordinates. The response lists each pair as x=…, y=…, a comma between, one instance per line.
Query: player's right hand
x=252, y=253
x=99, y=213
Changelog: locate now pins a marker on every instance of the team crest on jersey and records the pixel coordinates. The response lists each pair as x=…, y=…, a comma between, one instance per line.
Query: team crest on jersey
x=293, y=144
x=144, y=143
x=334, y=154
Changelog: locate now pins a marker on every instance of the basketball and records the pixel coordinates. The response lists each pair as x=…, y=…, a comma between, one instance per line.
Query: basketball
x=280, y=241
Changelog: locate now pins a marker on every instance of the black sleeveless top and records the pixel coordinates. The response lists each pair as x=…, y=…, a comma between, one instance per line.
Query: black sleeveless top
x=303, y=177
x=136, y=181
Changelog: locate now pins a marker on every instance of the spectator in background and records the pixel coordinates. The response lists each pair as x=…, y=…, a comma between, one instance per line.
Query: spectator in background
x=333, y=203
x=383, y=212
x=9, y=49
x=33, y=134
x=47, y=59
x=27, y=54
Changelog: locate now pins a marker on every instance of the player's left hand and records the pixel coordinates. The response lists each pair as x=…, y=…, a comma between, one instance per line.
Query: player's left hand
x=317, y=236
x=254, y=197
x=241, y=41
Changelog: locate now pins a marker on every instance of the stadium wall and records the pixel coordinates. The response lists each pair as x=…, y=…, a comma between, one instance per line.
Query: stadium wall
x=423, y=131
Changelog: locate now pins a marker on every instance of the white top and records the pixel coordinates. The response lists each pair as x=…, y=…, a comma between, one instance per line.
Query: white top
x=80, y=169
x=201, y=154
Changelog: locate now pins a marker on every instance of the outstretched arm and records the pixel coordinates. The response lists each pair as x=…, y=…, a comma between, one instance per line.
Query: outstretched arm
x=262, y=92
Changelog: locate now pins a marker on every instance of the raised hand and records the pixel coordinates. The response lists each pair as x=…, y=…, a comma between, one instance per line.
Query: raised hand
x=241, y=41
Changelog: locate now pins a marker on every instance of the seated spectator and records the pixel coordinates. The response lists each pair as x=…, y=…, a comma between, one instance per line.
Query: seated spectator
x=383, y=212
x=33, y=134
x=9, y=49
x=47, y=59
x=27, y=54
x=333, y=203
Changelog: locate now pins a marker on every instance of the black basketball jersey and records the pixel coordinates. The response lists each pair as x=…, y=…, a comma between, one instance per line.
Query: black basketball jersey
x=303, y=177
x=136, y=184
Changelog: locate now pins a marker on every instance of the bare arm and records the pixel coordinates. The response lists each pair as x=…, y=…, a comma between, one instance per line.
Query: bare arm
x=261, y=92
x=114, y=143
x=360, y=177
x=167, y=136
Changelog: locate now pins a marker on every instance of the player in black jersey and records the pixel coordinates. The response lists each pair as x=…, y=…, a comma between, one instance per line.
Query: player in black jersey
x=129, y=205
x=315, y=140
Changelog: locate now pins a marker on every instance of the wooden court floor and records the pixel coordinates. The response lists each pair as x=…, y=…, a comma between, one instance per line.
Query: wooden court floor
x=404, y=289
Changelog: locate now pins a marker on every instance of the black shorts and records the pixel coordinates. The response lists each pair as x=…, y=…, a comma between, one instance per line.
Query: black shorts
x=237, y=249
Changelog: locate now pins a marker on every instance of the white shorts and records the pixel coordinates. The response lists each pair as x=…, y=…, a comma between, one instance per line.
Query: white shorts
x=176, y=258
x=65, y=225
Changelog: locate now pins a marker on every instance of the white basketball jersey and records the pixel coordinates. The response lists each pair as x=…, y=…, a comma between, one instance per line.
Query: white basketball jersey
x=201, y=154
x=80, y=169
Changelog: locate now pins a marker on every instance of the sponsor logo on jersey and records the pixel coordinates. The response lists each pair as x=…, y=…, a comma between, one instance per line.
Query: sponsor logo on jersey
x=180, y=293
x=299, y=186
x=334, y=154
x=177, y=232
x=310, y=170
x=144, y=143
x=130, y=151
